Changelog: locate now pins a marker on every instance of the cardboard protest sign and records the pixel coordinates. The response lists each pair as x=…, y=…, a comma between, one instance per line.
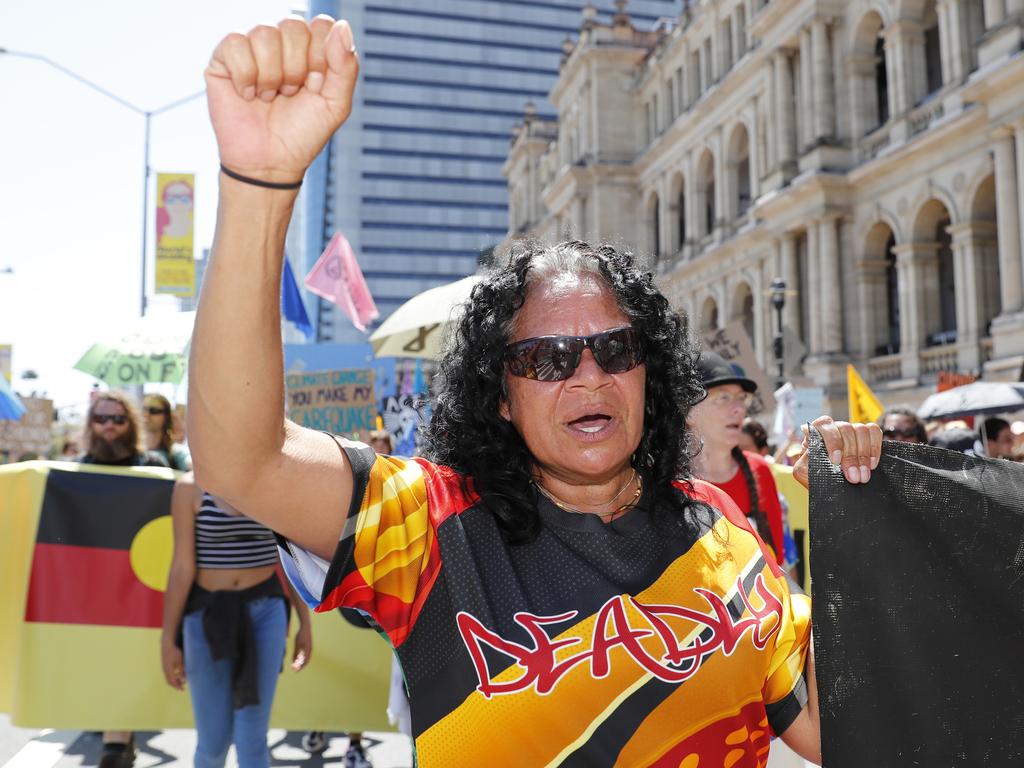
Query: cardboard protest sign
x=340, y=402
x=733, y=343
x=30, y=434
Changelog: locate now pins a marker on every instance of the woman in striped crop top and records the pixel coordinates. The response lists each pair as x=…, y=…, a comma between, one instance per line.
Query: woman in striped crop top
x=225, y=625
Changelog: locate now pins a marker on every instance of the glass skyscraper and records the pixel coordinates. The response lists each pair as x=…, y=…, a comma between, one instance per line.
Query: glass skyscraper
x=414, y=178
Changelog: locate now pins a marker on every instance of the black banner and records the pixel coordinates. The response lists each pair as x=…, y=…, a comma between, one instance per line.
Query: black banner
x=918, y=610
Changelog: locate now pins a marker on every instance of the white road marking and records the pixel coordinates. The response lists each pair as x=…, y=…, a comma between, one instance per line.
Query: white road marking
x=44, y=751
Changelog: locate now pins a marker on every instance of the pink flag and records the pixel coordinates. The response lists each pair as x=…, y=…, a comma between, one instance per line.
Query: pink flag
x=336, y=277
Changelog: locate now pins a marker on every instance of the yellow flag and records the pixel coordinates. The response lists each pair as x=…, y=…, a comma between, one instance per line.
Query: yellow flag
x=864, y=406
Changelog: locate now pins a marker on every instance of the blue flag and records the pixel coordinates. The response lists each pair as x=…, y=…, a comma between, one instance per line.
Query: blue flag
x=292, y=307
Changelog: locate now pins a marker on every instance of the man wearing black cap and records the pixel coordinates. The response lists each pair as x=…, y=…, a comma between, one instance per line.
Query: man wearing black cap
x=745, y=476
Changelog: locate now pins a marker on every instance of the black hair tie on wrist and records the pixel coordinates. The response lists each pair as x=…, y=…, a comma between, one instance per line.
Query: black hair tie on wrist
x=259, y=182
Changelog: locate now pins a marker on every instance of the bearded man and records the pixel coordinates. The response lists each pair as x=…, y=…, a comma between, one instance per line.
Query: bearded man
x=112, y=436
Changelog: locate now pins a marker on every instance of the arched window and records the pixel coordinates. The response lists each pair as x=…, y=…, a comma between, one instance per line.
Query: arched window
x=681, y=213
x=743, y=309
x=656, y=233
x=881, y=84
x=709, y=316
x=931, y=237
x=932, y=48
x=706, y=192
x=870, y=86
x=653, y=218
x=947, y=281
x=739, y=167
x=986, y=252
x=892, y=294
x=884, y=290
x=677, y=226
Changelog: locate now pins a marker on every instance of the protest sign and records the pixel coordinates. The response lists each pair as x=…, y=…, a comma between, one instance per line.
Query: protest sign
x=733, y=343
x=340, y=402
x=809, y=404
x=31, y=434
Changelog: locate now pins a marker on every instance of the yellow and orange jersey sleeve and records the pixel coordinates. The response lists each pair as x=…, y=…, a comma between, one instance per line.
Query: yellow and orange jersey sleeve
x=388, y=557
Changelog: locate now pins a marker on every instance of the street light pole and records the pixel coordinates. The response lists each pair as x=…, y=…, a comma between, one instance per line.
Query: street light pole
x=145, y=212
x=146, y=114
x=778, y=300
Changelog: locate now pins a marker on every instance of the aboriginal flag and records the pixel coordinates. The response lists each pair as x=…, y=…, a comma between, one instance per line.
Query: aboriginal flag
x=84, y=557
x=917, y=610
x=102, y=550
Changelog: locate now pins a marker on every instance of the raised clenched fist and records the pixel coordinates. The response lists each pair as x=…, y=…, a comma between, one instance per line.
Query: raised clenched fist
x=278, y=93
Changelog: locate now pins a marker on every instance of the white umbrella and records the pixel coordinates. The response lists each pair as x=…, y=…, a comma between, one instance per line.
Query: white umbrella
x=975, y=399
x=416, y=328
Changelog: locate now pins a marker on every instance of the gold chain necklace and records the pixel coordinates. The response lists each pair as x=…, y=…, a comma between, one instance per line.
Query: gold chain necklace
x=602, y=515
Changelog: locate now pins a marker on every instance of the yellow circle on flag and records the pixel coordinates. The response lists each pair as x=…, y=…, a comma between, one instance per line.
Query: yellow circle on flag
x=151, y=553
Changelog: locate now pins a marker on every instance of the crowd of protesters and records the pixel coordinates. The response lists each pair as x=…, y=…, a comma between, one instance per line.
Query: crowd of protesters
x=567, y=377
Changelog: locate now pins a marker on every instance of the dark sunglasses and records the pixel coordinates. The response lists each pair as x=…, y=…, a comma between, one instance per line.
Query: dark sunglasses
x=908, y=432
x=153, y=410
x=102, y=418
x=555, y=358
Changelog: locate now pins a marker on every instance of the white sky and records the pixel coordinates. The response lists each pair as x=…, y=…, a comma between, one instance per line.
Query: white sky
x=71, y=164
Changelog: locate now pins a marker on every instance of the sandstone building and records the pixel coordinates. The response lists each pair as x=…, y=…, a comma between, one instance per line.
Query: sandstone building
x=870, y=153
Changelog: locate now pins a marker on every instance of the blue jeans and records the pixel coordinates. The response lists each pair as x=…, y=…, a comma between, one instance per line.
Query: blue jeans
x=218, y=723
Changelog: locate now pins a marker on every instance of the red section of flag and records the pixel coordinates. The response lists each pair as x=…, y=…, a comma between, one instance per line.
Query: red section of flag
x=75, y=585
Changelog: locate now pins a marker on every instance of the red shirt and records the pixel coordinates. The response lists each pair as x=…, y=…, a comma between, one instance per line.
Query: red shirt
x=767, y=496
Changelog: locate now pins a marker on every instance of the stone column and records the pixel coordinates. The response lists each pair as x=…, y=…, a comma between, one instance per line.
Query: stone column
x=1008, y=221
x=754, y=155
x=942, y=11
x=868, y=319
x=1018, y=136
x=958, y=45
x=915, y=82
x=784, y=108
x=806, y=90
x=894, y=70
x=831, y=315
x=971, y=301
x=994, y=13
x=824, y=89
x=860, y=74
x=812, y=291
x=789, y=270
x=739, y=42
x=685, y=89
x=705, y=75
x=751, y=13
x=762, y=322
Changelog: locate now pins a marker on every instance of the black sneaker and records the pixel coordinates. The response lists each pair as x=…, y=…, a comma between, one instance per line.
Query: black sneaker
x=118, y=755
x=355, y=757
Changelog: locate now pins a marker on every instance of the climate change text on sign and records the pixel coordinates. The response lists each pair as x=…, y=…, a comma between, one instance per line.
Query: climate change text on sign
x=340, y=402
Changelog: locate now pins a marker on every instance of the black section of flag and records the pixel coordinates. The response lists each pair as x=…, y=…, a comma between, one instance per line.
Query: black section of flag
x=88, y=509
x=917, y=610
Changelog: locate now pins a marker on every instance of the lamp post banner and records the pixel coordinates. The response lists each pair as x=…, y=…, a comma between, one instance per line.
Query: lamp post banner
x=175, y=259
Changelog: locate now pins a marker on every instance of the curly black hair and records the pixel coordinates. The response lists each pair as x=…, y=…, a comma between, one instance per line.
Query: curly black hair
x=466, y=431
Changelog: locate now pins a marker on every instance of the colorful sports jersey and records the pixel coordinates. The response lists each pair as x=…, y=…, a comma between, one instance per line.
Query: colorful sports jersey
x=644, y=642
